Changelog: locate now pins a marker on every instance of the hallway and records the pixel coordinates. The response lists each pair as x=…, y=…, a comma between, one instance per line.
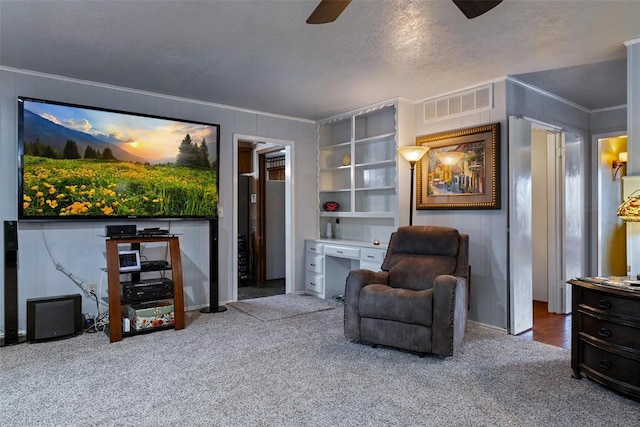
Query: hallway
x=549, y=328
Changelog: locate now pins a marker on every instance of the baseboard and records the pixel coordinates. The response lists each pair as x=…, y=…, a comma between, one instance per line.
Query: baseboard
x=484, y=325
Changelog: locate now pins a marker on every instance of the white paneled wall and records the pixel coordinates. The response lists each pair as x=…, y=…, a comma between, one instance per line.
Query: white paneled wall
x=487, y=229
x=78, y=245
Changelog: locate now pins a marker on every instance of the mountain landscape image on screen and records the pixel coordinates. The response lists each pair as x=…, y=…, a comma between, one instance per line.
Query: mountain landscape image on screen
x=83, y=162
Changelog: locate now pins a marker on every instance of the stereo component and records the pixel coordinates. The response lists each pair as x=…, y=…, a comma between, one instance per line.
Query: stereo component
x=143, y=290
x=120, y=230
x=10, y=283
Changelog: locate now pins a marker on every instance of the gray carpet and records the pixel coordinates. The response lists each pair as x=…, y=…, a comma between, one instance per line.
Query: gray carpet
x=233, y=369
x=281, y=306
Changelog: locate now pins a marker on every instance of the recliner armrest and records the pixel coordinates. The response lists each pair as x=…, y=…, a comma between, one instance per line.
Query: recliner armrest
x=356, y=280
x=449, y=313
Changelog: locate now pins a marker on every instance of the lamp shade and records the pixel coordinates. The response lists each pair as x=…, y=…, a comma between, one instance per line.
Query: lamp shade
x=413, y=153
x=629, y=210
x=623, y=157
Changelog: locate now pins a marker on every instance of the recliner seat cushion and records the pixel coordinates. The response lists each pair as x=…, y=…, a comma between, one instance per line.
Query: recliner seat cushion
x=380, y=301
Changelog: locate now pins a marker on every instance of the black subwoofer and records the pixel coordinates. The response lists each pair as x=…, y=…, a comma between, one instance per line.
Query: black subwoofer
x=54, y=317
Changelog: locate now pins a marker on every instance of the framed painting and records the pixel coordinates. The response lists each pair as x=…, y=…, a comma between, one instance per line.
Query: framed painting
x=461, y=170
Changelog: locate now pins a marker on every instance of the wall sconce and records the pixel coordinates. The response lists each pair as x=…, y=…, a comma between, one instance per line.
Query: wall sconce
x=412, y=154
x=617, y=164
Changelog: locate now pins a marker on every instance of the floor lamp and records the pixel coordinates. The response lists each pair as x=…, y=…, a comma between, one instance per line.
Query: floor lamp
x=412, y=154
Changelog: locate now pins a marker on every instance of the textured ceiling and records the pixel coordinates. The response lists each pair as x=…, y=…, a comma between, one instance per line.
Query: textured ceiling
x=261, y=55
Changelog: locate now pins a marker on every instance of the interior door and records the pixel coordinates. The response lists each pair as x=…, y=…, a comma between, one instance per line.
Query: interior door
x=573, y=216
x=520, y=240
x=565, y=193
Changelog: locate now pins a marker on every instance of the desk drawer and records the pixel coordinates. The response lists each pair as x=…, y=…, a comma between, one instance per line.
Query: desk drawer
x=342, y=252
x=372, y=255
x=314, y=263
x=314, y=283
x=314, y=247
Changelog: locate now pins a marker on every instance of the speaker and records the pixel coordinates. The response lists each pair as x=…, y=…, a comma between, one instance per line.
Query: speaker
x=54, y=317
x=120, y=230
x=213, y=270
x=10, y=283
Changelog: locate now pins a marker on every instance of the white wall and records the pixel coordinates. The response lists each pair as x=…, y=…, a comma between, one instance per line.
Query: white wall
x=78, y=245
x=487, y=229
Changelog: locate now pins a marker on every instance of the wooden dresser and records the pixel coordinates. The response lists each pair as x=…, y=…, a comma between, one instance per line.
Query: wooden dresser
x=605, y=342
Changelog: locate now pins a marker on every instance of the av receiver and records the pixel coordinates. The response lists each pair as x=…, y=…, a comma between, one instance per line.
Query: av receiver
x=144, y=290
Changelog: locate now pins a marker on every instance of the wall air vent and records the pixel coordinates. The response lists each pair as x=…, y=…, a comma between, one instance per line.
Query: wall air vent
x=458, y=104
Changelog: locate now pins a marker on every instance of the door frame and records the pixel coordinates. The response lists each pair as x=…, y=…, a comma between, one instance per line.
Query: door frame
x=596, y=167
x=289, y=213
x=520, y=231
x=261, y=230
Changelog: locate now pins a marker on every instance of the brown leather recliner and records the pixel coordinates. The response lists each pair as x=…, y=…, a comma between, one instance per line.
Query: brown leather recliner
x=419, y=301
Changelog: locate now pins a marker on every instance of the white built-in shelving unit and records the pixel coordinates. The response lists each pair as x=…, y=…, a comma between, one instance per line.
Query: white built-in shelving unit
x=357, y=169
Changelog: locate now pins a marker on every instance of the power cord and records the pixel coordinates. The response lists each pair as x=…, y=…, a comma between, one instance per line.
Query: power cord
x=99, y=323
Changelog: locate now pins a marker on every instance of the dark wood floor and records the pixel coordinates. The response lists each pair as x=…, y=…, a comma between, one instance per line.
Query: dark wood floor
x=269, y=288
x=549, y=328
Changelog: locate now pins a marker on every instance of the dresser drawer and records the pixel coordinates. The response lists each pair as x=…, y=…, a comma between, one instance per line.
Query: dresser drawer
x=314, y=283
x=314, y=263
x=608, y=304
x=314, y=247
x=604, y=363
x=610, y=332
x=342, y=252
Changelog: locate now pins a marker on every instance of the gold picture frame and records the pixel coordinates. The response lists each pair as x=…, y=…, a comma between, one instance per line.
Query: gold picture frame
x=461, y=170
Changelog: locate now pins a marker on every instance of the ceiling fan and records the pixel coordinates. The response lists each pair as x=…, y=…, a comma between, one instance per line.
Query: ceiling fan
x=329, y=10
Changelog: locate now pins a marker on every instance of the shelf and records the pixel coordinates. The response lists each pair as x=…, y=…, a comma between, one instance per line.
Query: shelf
x=334, y=168
x=389, y=215
x=132, y=332
x=390, y=162
x=376, y=138
x=337, y=145
x=385, y=188
x=360, y=174
x=115, y=284
x=342, y=190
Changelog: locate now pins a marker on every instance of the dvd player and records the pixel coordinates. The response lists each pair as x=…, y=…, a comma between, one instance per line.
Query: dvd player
x=154, y=264
x=153, y=232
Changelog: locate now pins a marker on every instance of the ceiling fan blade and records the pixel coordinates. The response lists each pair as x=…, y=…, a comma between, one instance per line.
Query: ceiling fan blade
x=327, y=11
x=475, y=8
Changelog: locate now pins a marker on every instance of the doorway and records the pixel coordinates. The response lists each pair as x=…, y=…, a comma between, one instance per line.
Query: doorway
x=262, y=225
x=545, y=218
x=610, y=254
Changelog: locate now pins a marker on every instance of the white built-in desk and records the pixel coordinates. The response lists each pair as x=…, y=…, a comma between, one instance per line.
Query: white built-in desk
x=328, y=262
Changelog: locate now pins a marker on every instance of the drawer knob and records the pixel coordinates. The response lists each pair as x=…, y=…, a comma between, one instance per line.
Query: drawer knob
x=340, y=252
x=370, y=256
x=604, y=303
x=604, y=332
x=312, y=265
x=605, y=364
